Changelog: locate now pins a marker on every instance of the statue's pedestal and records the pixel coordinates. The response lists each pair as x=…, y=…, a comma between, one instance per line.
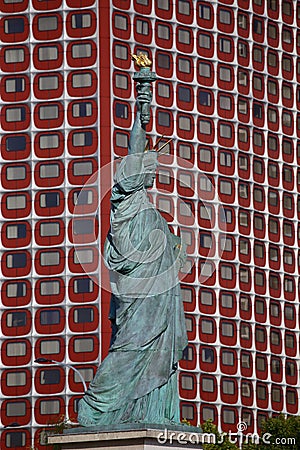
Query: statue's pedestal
x=129, y=437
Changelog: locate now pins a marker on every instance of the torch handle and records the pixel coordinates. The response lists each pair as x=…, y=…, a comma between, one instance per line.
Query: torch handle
x=144, y=79
x=144, y=98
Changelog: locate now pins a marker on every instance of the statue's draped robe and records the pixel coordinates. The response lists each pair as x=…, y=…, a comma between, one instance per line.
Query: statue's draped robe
x=137, y=381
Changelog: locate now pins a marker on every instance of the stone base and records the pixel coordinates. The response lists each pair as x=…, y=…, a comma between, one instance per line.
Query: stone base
x=129, y=437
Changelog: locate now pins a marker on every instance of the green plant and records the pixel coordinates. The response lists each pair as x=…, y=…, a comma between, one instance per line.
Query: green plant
x=281, y=432
x=222, y=441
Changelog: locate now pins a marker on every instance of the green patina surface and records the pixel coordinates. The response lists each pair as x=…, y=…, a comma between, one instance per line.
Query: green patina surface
x=137, y=381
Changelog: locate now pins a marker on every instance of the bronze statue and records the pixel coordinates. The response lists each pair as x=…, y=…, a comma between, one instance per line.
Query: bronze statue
x=137, y=381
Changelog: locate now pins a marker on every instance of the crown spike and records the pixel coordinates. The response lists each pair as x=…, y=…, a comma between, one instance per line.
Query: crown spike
x=155, y=146
x=163, y=146
x=147, y=146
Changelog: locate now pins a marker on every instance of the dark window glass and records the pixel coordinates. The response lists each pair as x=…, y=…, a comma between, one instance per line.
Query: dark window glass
x=83, y=315
x=184, y=94
x=17, y=260
x=14, y=26
x=82, y=285
x=208, y=355
x=51, y=199
x=204, y=98
x=16, y=319
x=257, y=111
x=121, y=110
x=50, y=376
x=15, y=439
x=15, y=143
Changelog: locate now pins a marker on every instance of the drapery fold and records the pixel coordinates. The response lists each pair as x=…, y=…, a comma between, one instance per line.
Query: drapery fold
x=137, y=380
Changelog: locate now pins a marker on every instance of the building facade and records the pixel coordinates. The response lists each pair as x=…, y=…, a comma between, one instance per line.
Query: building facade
x=229, y=182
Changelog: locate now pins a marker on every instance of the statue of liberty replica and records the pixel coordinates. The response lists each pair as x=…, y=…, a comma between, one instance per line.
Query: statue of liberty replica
x=137, y=381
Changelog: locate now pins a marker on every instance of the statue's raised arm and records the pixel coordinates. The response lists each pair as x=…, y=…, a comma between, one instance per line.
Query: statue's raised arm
x=144, y=80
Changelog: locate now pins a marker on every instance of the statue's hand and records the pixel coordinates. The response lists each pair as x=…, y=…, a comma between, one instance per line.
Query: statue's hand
x=142, y=99
x=182, y=255
x=143, y=102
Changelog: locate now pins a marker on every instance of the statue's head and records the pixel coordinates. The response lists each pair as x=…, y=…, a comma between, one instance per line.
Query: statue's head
x=150, y=163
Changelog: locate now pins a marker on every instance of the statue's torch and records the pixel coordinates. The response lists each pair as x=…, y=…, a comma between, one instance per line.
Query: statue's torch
x=144, y=79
